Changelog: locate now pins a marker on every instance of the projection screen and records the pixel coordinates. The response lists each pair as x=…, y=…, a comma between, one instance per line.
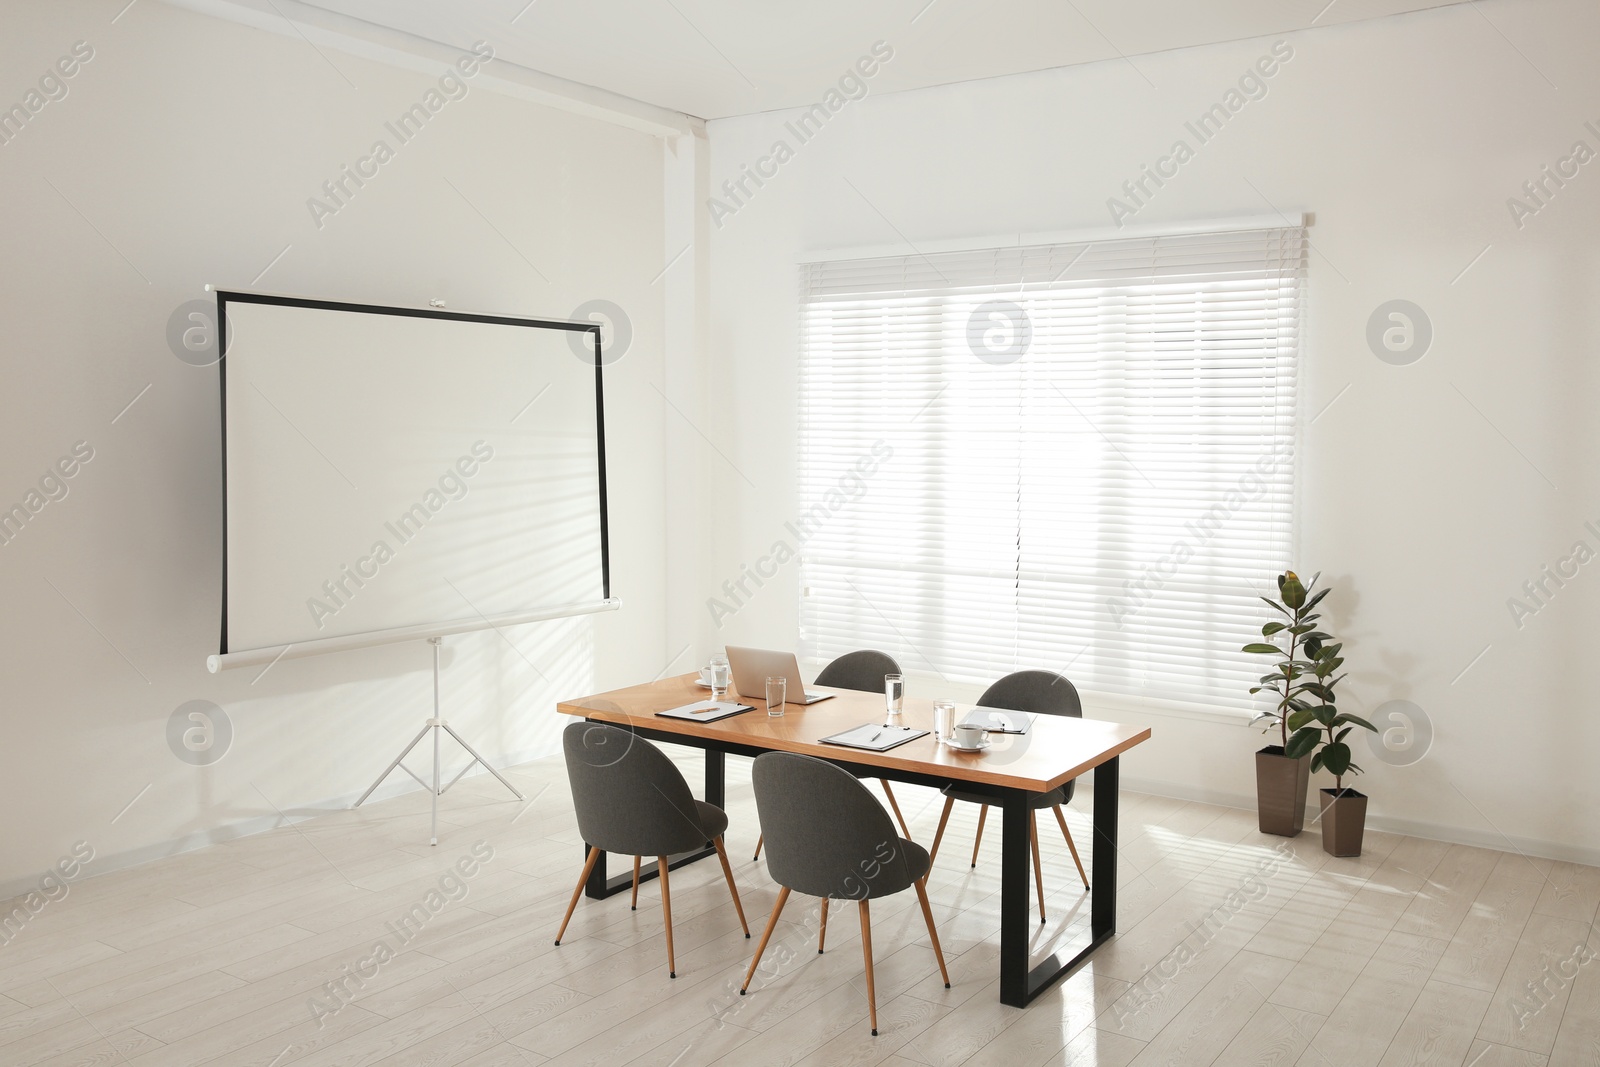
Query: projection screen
x=394, y=473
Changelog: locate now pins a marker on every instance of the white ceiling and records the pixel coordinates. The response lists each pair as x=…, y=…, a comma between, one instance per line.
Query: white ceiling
x=716, y=58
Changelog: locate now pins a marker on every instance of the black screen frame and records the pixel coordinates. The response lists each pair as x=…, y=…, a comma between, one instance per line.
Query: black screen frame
x=226, y=296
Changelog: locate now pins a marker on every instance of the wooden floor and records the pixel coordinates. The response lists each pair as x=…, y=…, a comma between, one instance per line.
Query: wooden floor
x=1235, y=949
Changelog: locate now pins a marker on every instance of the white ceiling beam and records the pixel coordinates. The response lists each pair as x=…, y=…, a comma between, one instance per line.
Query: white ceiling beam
x=357, y=37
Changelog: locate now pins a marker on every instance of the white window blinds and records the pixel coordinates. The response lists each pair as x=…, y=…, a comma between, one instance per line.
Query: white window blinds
x=1072, y=457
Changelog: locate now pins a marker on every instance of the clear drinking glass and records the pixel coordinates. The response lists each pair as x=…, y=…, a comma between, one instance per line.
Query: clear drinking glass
x=944, y=719
x=719, y=676
x=894, y=698
x=777, y=692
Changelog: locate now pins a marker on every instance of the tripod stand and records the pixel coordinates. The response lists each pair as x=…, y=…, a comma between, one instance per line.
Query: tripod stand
x=437, y=724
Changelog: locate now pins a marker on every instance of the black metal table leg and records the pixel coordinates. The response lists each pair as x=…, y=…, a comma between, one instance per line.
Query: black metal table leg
x=1103, y=896
x=1020, y=984
x=716, y=778
x=598, y=887
x=1015, y=851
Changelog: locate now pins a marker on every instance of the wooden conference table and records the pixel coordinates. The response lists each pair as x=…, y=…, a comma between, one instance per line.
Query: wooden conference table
x=1054, y=751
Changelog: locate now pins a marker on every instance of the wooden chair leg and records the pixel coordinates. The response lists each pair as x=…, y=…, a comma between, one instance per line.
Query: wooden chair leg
x=927, y=914
x=1062, y=819
x=822, y=934
x=866, y=951
x=666, y=915
x=982, y=815
x=949, y=802
x=1038, y=869
x=772, y=924
x=588, y=866
x=759, y=842
x=727, y=872
x=635, y=905
x=900, y=818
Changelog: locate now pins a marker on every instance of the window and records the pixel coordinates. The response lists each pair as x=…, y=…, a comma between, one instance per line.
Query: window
x=1073, y=457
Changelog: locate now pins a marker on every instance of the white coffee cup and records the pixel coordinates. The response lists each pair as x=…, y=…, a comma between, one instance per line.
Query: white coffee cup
x=969, y=736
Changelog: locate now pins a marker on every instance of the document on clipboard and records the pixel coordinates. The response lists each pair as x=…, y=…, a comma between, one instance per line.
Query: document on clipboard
x=706, y=710
x=874, y=738
x=999, y=720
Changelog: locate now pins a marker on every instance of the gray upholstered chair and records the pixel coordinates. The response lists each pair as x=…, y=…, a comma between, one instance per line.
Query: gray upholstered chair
x=632, y=800
x=862, y=671
x=1037, y=693
x=832, y=839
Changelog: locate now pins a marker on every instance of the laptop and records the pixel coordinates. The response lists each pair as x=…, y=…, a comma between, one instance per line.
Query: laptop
x=751, y=667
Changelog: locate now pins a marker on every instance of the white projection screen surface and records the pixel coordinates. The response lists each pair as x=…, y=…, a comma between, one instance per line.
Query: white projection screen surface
x=387, y=469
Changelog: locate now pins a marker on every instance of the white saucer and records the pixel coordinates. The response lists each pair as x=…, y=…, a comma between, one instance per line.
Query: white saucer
x=950, y=743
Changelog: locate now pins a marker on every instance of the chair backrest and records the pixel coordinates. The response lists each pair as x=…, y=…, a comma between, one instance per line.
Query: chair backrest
x=630, y=798
x=826, y=836
x=863, y=671
x=1035, y=692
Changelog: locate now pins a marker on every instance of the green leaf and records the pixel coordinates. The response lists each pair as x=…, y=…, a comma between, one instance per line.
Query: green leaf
x=1316, y=762
x=1315, y=600
x=1358, y=720
x=1336, y=758
x=1300, y=629
x=1293, y=593
x=1263, y=648
x=1341, y=734
x=1302, y=742
x=1271, y=628
x=1278, y=606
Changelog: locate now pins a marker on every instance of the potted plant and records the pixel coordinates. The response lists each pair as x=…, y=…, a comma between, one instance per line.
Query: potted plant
x=1320, y=732
x=1282, y=777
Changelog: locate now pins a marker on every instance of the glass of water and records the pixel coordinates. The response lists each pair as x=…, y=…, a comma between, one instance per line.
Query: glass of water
x=719, y=670
x=777, y=692
x=894, y=698
x=944, y=719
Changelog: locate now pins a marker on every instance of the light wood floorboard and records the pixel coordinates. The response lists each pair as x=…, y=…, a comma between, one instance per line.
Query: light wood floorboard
x=1233, y=949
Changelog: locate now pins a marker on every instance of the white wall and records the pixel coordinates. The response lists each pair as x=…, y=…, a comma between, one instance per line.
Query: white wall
x=187, y=148
x=1430, y=492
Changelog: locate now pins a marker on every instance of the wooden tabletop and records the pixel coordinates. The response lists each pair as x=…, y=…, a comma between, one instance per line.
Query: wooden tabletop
x=1055, y=750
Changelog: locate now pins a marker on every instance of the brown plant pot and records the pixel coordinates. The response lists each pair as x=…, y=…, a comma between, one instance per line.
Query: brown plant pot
x=1281, y=785
x=1344, y=820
